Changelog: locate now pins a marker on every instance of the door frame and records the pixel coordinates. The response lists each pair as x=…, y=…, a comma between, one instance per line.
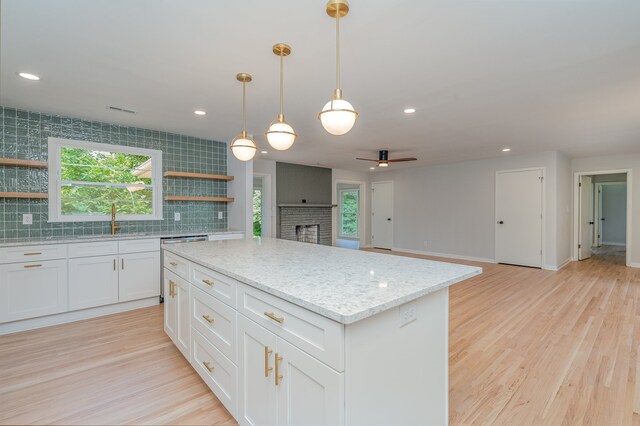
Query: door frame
x=361, y=206
x=267, y=214
x=576, y=209
x=543, y=255
x=393, y=213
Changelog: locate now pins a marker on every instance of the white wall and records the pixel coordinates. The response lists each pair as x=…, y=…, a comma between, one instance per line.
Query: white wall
x=365, y=211
x=614, y=211
x=564, y=206
x=450, y=209
x=619, y=162
x=241, y=188
x=268, y=168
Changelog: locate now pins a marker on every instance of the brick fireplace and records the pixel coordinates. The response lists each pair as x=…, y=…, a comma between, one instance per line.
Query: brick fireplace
x=309, y=223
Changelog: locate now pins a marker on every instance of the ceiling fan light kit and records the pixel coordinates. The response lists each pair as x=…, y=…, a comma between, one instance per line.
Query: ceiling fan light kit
x=243, y=146
x=383, y=159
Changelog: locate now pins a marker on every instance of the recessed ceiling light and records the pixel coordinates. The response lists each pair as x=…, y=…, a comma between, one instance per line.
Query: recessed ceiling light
x=409, y=110
x=28, y=76
x=200, y=112
x=506, y=149
x=263, y=152
x=372, y=168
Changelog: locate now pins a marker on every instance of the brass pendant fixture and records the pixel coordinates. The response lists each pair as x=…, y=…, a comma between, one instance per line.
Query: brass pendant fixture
x=280, y=134
x=243, y=146
x=338, y=116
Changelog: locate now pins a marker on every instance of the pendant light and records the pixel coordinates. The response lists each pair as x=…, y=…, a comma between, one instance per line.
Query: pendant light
x=337, y=116
x=281, y=135
x=243, y=147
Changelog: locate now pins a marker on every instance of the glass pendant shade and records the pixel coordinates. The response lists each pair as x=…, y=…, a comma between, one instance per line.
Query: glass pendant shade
x=280, y=135
x=338, y=117
x=243, y=147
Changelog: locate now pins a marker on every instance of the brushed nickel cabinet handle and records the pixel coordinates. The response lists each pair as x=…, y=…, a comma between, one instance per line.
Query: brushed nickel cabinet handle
x=208, y=282
x=278, y=375
x=208, y=319
x=33, y=266
x=208, y=366
x=273, y=316
x=33, y=254
x=267, y=369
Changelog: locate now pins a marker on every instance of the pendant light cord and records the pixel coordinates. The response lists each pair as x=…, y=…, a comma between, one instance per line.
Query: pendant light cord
x=337, y=51
x=281, y=86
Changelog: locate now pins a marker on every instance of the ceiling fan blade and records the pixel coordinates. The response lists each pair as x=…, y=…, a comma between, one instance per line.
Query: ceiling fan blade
x=366, y=159
x=396, y=160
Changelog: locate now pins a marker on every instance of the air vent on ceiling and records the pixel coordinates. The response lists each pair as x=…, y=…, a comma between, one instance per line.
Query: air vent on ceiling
x=128, y=111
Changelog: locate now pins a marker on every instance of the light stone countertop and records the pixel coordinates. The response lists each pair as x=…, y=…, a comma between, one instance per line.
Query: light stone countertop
x=341, y=284
x=108, y=237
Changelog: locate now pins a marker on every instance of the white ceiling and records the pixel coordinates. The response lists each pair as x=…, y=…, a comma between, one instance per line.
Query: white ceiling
x=530, y=75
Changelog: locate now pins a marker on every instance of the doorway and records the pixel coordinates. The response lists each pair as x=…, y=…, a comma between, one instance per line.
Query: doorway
x=602, y=217
x=519, y=217
x=348, y=220
x=261, y=208
x=382, y=215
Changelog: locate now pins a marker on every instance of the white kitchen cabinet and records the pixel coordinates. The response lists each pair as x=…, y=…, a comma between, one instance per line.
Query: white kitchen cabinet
x=139, y=275
x=257, y=393
x=29, y=290
x=177, y=321
x=93, y=281
x=281, y=384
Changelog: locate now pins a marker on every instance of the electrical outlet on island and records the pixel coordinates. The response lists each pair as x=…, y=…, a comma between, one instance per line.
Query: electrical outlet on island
x=176, y=217
x=27, y=219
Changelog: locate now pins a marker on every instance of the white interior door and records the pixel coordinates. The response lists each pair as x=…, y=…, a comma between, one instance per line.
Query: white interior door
x=586, y=217
x=519, y=217
x=382, y=214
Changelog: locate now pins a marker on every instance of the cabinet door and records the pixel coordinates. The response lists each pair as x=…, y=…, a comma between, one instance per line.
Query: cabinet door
x=30, y=290
x=170, y=321
x=256, y=393
x=309, y=392
x=183, y=317
x=139, y=275
x=93, y=281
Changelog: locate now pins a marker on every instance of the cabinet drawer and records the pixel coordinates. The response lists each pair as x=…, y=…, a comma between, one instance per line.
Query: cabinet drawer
x=136, y=246
x=218, y=285
x=32, y=253
x=313, y=333
x=100, y=248
x=176, y=264
x=215, y=321
x=220, y=374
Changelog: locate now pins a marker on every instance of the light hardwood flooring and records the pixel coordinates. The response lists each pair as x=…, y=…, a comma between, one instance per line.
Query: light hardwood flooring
x=527, y=347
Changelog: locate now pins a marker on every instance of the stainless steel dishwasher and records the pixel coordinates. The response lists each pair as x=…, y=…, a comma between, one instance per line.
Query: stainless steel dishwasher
x=175, y=240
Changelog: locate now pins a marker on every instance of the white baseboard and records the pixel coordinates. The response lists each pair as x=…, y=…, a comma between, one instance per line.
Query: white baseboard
x=605, y=243
x=635, y=264
x=446, y=255
x=66, y=317
x=557, y=268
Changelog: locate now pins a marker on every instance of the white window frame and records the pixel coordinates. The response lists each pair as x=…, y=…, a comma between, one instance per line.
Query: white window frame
x=340, y=204
x=55, y=188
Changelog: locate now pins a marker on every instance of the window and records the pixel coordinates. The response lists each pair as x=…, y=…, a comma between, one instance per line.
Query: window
x=349, y=212
x=257, y=212
x=86, y=178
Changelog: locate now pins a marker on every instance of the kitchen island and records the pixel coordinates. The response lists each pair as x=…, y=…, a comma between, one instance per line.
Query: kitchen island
x=295, y=333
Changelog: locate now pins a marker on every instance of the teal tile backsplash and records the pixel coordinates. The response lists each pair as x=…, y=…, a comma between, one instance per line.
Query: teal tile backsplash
x=23, y=135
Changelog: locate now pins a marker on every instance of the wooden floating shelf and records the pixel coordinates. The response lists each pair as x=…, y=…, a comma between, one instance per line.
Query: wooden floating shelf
x=23, y=163
x=181, y=198
x=197, y=175
x=23, y=195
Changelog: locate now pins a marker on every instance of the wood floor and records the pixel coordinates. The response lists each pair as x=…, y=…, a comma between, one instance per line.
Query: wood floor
x=527, y=347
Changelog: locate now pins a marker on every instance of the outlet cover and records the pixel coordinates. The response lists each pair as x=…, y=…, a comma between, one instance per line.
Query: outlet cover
x=176, y=217
x=27, y=219
x=220, y=215
x=408, y=313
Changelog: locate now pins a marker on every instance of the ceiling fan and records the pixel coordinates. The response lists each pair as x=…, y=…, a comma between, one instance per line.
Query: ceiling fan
x=383, y=159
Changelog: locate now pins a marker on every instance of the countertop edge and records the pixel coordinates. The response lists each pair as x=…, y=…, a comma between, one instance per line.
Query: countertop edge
x=342, y=319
